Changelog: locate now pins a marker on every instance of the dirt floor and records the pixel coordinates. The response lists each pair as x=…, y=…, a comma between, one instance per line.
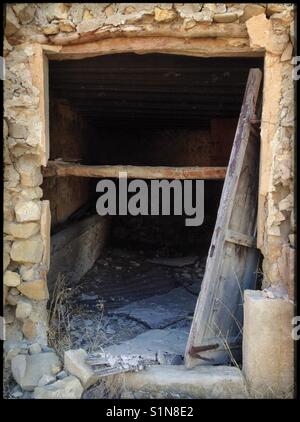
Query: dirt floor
x=130, y=302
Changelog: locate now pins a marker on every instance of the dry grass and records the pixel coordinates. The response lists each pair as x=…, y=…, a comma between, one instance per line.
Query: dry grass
x=98, y=337
x=59, y=317
x=61, y=312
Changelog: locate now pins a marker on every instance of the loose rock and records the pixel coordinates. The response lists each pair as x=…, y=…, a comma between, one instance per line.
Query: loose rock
x=36, y=289
x=27, y=211
x=28, y=370
x=35, y=348
x=74, y=361
x=21, y=230
x=68, y=388
x=11, y=279
x=23, y=309
x=46, y=379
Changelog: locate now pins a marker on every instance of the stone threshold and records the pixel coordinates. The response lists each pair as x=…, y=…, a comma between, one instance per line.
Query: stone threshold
x=178, y=382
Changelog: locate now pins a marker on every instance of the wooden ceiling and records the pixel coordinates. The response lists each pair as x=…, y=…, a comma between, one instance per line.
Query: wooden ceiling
x=152, y=90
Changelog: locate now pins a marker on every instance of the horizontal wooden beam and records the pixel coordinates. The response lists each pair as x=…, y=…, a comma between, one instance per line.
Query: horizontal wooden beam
x=162, y=42
x=240, y=239
x=60, y=168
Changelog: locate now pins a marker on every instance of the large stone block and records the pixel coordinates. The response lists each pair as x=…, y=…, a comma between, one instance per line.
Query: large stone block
x=74, y=362
x=27, y=211
x=67, y=388
x=268, y=349
x=28, y=370
x=30, y=250
x=252, y=10
x=21, y=230
x=175, y=381
x=11, y=279
x=225, y=17
x=35, y=289
x=12, y=24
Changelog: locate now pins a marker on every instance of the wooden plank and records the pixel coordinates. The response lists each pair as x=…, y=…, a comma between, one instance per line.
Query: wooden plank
x=240, y=239
x=202, y=47
x=59, y=168
x=39, y=70
x=231, y=265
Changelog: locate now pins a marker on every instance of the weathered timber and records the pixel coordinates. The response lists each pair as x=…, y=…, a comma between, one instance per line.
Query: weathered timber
x=59, y=168
x=232, y=258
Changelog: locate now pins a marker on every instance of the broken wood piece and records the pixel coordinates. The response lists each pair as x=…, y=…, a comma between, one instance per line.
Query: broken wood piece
x=104, y=372
x=60, y=168
x=106, y=364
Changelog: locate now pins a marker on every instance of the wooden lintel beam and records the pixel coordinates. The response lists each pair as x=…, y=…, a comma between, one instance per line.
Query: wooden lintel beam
x=59, y=168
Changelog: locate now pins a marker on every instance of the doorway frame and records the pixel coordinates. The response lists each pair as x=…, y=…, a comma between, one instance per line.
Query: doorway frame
x=196, y=47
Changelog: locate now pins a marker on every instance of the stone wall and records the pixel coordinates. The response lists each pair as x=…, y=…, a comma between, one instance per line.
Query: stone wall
x=71, y=137
x=218, y=28
x=276, y=224
x=26, y=215
x=209, y=146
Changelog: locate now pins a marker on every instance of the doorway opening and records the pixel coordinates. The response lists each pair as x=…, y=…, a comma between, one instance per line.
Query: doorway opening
x=131, y=282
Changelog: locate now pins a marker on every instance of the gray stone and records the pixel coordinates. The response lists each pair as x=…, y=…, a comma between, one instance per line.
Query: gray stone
x=35, y=348
x=12, y=353
x=61, y=375
x=46, y=379
x=68, y=388
x=28, y=370
x=23, y=309
x=47, y=349
x=148, y=344
x=16, y=392
x=201, y=382
x=159, y=311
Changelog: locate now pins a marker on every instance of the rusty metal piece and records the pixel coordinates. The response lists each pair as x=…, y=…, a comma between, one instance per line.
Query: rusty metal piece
x=196, y=350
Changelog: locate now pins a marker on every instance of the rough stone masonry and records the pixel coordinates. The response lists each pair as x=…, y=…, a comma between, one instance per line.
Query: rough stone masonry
x=218, y=27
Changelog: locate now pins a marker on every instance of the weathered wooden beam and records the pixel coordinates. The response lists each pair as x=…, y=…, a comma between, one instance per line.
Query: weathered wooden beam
x=240, y=239
x=59, y=168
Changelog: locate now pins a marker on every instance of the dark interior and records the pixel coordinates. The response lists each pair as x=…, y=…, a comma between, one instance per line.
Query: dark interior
x=152, y=109
x=140, y=110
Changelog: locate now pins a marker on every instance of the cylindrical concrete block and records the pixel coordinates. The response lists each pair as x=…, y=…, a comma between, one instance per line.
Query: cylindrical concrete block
x=268, y=347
